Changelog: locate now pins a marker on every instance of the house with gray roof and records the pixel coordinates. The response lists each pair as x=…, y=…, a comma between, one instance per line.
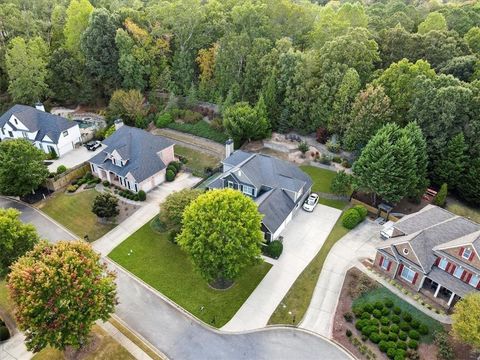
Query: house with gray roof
x=433, y=251
x=46, y=131
x=133, y=159
x=278, y=187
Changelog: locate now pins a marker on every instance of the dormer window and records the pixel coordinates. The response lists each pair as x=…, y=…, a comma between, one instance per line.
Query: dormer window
x=230, y=184
x=248, y=190
x=16, y=121
x=467, y=252
x=65, y=133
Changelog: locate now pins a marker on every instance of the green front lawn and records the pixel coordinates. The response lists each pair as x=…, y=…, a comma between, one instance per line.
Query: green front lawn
x=197, y=160
x=74, y=212
x=163, y=265
x=381, y=294
x=298, y=297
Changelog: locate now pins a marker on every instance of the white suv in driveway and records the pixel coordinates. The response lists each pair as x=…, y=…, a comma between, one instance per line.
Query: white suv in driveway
x=310, y=203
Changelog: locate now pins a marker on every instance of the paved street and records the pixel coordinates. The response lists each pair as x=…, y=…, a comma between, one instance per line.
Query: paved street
x=359, y=243
x=180, y=336
x=47, y=228
x=302, y=239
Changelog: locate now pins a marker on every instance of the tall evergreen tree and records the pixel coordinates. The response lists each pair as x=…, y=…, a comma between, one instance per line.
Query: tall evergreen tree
x=451, y=163
x=414, y=133
x=469, y=187
x=348, y=89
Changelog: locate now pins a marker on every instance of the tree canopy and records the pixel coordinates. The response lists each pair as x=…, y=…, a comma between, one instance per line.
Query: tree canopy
x=466, y=320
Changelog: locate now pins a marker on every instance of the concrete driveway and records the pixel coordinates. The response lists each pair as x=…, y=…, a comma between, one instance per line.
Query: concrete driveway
x=47, y=228
x=302, y=239
x=180, y=336
x=73, y=158
x=358, y=244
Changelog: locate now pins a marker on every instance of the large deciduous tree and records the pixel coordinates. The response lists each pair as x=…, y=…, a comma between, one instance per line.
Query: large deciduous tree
x=77, y=16
x=171, y=210
x=128, y=105
x=221, y=233
x=466, y=320
x=59, y=291
x=26, y=65
x=21, y=167
x=433, y=21
x=16, y=238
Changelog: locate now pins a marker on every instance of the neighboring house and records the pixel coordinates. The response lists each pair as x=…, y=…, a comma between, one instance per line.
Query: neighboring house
x=278, y=187
x=133, y=158
x=46, y=131
x=435, y=252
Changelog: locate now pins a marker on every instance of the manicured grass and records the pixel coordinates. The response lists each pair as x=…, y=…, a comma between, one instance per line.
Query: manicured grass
x=197, y=160
x=381, y=294
x=74, y=212
x=202, y=129
x=322, y=178
x=298, y=297
x=108, y=348
x=462, y=209
x=338, y=204
x=163, y=265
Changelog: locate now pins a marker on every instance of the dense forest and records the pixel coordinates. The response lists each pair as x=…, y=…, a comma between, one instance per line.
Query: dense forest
x=345, y=68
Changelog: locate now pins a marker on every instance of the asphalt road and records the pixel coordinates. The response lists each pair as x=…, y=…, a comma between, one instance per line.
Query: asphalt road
x=47, y=229
x=179, y=336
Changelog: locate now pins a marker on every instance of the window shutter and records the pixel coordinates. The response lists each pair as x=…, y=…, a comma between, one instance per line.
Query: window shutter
x=400, y=268
x=469, y=276
x=478, y=285
x=448, y=267
x=381, y=261
x=415, y=278
x=437, y=261
x=463, y=275
x=389, y=266
x=461, y=251
x=452, y=270
x=471, y=256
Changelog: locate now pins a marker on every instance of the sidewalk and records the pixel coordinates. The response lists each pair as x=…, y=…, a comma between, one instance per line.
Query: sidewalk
x=359, y=243
x=302, y=239
x=442, y=318
x=149, y=209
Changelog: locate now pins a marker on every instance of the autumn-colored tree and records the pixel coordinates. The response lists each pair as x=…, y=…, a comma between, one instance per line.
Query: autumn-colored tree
x=466, y=320
x=58, y=292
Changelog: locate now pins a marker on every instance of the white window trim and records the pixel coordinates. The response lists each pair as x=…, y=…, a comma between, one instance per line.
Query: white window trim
x=230, y=184
x=246, y=187
x=469, y=253
x=385, y=264
x=65, y=133
x=458, y=272
x=474, y=280
x=444, y=263
x=410, y=271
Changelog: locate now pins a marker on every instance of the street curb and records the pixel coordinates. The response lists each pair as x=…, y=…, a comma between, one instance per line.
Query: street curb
x=217, y=331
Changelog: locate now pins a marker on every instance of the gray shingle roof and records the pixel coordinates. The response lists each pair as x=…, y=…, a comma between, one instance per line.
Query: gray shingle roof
x=139, y=147
x=37, y=120
x=276, y=206
x=473, y=238
x=429, y=216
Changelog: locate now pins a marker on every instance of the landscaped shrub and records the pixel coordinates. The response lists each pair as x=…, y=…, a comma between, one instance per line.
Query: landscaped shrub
x=389, y=303
x=351, y=218
x=383, y=337
x=366, y=316
x=172, y=168
x=414, y=334
x=397, y=310
x=348, y=332
x=170, y=175
x=378, y=304
x=363, y=212
x=332, y=146
x=402, y=335
x=368, y=308
x=415, y=324
x=404, y=326
x=402, y=345
x=377, y=313
x=384, y=321
x=106, y=183
x=4, y=333
x=374, y=322
x=274, y=250
x=61, y=169
x=385, y=329
x=392, y=336
x=364, y=338
x=394, y=328
x=177, y=165
x=445, y=349
x=348, y=316
x=142, y=196
x=413, y=344
x=359, y=325
x=400, y=354
x=391, y=352
x=72, y=188
x=423, y=329
x=358, y=311
x=396, y=319
x=407, y=317
x=383, y=346
x=385, y=311
x=163, y=120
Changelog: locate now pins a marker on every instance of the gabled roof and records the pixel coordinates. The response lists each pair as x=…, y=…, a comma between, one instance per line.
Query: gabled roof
x=36, y=120
x=276, y=207
x=472, y=239
x=137, y=146
x=427, y=217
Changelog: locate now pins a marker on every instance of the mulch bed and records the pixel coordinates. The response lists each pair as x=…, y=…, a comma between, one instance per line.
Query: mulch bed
x=39, y=195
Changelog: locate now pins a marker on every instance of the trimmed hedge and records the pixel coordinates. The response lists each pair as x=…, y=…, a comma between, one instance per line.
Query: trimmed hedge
x=351, y=218
x=142, y=196
x=274, y=249
x=362, y=211
x=170, y=175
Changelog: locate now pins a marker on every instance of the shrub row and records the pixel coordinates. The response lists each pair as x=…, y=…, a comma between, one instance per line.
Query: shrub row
x=127, y=194
x=354, y=216
x=172, y=170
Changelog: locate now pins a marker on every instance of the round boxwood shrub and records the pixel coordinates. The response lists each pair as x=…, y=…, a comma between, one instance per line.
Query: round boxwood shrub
x=374, y=322
x=348, y=316
x=377, y=313
x=357, y=310
x=395, y=328
x=350, y=218
x=172, y=168
x=383, y=346
x=170, y=175
x=400, y=354
x=385, y=321
x=374, y=337
x=368, y=308
x=407, y=317
x=385, y=329
x=362, y=211
x=367, y=330
x=391, y=352
x=177, y=165
x=364, y=338
x=423, y=329
x=397, y=310
x=415, y=324
x=348, y=332
x=366, y=316
x=61, y=169
x=274, y=250
x=396, y=319
x=360, y=324
x=385, y=311
x=405, y=326
x=389, y=303
x=4, y=333
x=383, y=337
x=413, y=344
x=414, y=334
x=392, y=336
x=402, y=345
x=378, y=305
x=142, y=196
x=402, y=335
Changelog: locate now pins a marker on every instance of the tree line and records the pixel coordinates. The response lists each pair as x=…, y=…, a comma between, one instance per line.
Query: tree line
x=345, y=68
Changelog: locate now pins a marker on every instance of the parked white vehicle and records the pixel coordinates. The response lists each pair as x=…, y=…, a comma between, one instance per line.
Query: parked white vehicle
x=310, y=203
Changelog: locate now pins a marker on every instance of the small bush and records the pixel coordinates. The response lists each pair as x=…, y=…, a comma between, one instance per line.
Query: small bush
x=391, y=352
x=374, y=322
x=351, y=218
x=441, y=196
x=385, y=311
x=374, y=337
x=395, y=328
x=348, y=332
x=61, y=169
x=325, y=159
x=407, y=317
x=402, y=335
x=359, y=325
x=363, y=212
x=445, y=349
x=170, y=175
x=368, y=308
x=337, y=159
x=378, y=304
x=333, y=147
x=177, y=165
x=414, y=334
x=172, y=235
x=346, y=164
x=385, y=321
x=385, y=329
x=402, y=345
x=142, y=196
x=383, y=337
x=106, y=183
x=415, y=324
x=383, y=346
x=400, y=354
x=172, y=168
x=423, y=329
x=404, y=326
x=72, y=188
x=392, y=336
x=389, y=303
x=274, y=250
x=396, y=319
x=397, y=310
x=163, y=120
x=348, y=316
x=413, y=344
x=366, y=316
x=364, y=338
x=4, y=333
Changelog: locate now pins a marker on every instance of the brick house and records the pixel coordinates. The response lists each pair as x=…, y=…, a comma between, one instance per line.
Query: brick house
x=434, y=252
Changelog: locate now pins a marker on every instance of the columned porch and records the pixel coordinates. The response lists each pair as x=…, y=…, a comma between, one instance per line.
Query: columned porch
x=116, y=180
x=439, y=293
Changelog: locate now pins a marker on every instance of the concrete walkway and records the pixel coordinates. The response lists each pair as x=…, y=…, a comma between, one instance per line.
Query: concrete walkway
x=359, y=243
x=149, y=209
x=302, y=239
x=442, y=318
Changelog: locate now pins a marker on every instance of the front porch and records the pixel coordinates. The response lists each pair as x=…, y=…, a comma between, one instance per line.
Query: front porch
x=115, y=179
x=439, y=293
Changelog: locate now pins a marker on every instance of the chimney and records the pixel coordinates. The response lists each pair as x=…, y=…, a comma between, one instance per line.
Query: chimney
x=118, y=124
x=228, y=148
x=39, y=106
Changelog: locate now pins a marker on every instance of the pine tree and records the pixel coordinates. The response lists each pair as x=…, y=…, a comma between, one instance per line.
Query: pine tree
x=451, y=163
x=441, y=196
x=414, y=133
x=469, y=187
